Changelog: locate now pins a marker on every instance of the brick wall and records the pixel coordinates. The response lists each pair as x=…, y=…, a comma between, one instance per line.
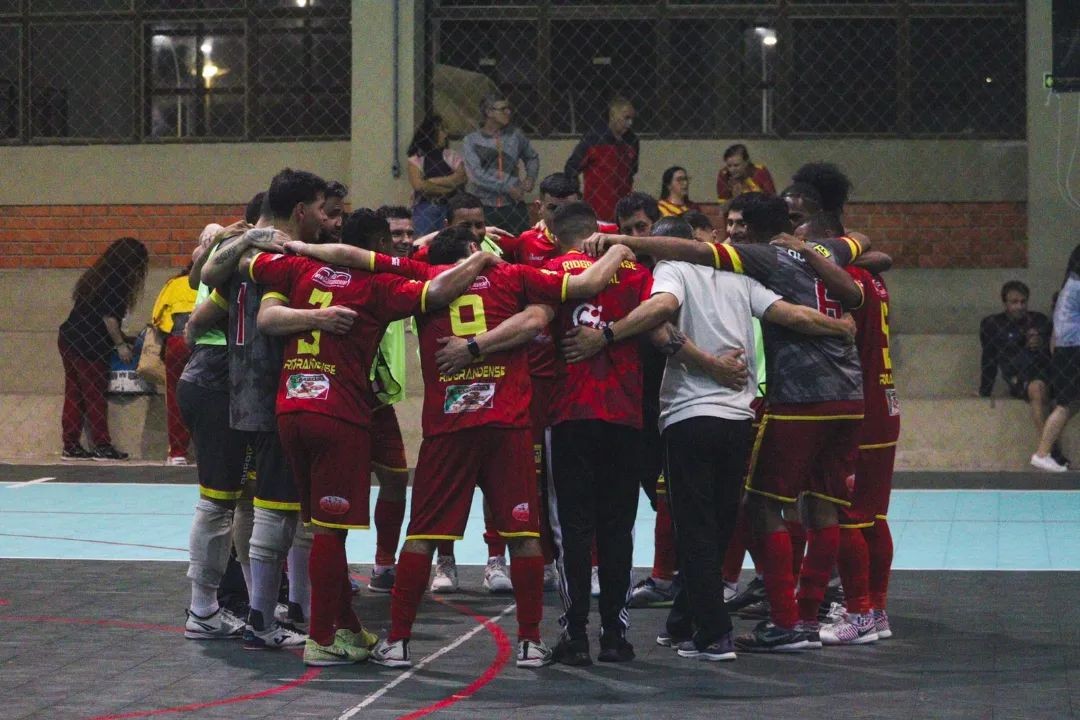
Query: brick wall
x=917, y=235
x=942, y=235
x=72, y=236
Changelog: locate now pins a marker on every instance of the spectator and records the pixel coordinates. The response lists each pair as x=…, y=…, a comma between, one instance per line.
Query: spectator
x=103, y=296
x=173, y=307
x=492, y=154
x=1017, y=342
x=740, y=175
x=607, y=157
x=675, y=192
x=435, y=172
x=1064, y=367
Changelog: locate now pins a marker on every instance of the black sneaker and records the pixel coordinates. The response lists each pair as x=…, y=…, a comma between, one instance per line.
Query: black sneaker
x=1059, y=457
x=108, y=452
x=756, y=610
x=572, y=650
x=752, y=593
x=75, y=452
x=381, y=582
x=671, y=640
x=766, y=637
x=615, y=648
x=723, y=648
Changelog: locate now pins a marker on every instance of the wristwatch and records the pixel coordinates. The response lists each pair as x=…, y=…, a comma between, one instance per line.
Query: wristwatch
x=609, y=334
x=474, y=347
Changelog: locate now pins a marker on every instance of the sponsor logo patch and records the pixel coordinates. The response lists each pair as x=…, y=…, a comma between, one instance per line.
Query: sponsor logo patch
x=520, y=512
x=468, y=398
x=315, y=386
x=331, y=278
x=588, y=315
x=334, y=505
x=480, y=283
x=892, y=402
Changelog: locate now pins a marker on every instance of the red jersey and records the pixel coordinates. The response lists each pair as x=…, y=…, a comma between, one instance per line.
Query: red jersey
x=322, y=372
x=882, y=420
x=608, y=385
x=494, y=390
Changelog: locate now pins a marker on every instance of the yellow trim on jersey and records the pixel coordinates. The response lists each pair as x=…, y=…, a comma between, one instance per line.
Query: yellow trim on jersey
x=337, y=526
x=856, y=248
x=434, y=537
x=371, y=262
x=715, y=256
x=275, y=504
x=878, y=446
x=217, y=299
x=220, y=494
x=736, y=261
x=565, y=284
x=517, y=534
x=781, y=498
x=251, y=266
x=391, y=469
x=275, y=296
x=858, y=526
x=810, y=417
x=830, y=498
x=423, y=297
x=881, y=517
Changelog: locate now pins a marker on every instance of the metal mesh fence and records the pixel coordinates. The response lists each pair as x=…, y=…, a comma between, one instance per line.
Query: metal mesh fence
x=151, y=70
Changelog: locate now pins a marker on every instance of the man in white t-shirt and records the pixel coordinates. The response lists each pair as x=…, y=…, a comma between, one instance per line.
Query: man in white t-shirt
x=705, y=420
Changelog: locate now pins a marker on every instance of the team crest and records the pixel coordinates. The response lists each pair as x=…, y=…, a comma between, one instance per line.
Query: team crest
x=330, y=278
x=468, y=398
x=307, y=387
x=521, y=512
x=588, y=315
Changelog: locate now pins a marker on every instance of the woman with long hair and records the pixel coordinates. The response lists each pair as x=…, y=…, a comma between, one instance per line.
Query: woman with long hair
x=675, y=192
x=104, y=294
x=435, y=172
x=1064, y=365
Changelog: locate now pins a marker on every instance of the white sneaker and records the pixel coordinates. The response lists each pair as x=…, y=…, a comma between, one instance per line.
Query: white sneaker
x=496, y=579
x=836, y=613
x=731, y=589
x=222, y=625
x=391, y=654
x=1047, y=464
x=852, y=630
x=881, y=622
x=176, y=461
x=273, y=638
x=533, y=655
x=594, y=585
x=445, y=580
x=551, y=577
x=291, y=615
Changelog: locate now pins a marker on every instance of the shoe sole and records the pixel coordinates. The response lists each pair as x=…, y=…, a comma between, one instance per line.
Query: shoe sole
x=792, y=648
x=445, y=591
x=390, y=663
x=382, y=591
x=864, y=640
x=709, y=657
x=884, y=634
x=672, y=643
x=195, y=635
x=330, y=663
x=498, y=590
x=535, y=663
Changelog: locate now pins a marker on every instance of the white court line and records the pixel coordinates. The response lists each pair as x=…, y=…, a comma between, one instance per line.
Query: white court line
x=16, y=486
x=420, y=665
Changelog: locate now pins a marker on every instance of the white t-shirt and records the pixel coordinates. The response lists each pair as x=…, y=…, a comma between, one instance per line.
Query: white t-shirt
x=715, y=311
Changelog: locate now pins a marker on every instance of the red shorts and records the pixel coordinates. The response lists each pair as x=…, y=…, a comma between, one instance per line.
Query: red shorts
x=498, y=460
x=331, y=464
x=873, y=485
x=387, y=445
x=806, y=448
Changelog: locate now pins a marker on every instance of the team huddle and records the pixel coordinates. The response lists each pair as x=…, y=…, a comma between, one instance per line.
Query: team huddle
x=745, y=384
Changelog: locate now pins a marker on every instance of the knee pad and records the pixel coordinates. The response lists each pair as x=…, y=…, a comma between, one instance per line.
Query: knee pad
x=303, y=538
x=272, y=534
x=243, y=520
x=209, y=542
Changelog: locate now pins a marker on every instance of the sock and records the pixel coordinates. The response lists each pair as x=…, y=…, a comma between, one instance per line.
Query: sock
x=328, y=570
x=446, y=548
x=346, y=616
x=595, y=561
x=880, y=550
x=775, y=554
x=245, y=568
x=853, y=561
x=495, y=542
x=299, y=578
x=664, y=542
x=527, y=575
x=736, y=549
x=822, y=545
x=265, y=582
x=203, y=599
x=389, y=515
x=410, y=582
x=798, y=545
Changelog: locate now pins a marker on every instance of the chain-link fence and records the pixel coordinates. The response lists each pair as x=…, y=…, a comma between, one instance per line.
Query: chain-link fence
x=157, y=70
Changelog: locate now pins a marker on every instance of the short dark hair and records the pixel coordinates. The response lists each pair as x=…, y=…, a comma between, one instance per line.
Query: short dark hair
x=807, y=192
x=831, y=183
x=336, y=189
x=560, y=185
x=254, y=208
x=364, y=228
x=823, y=225
x=394, y=212
x=766, y=215
x=697, y=220
x=450, y=245
x=573, y=221
x=673, y=226
x=737, y=149
x=291, y=187
x=742, y=201
x=1015, y=286
x=462, y=201
x=635, y=201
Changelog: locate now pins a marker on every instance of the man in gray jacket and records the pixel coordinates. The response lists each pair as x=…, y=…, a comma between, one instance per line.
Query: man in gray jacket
x=492, y=154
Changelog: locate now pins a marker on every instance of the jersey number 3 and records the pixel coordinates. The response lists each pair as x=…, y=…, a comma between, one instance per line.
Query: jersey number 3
x=322, y=299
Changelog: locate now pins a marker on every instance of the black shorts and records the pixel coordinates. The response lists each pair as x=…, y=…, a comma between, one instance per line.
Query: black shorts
x=274, y=487
x=219, y=448
x=1023, y=371
x=1065, y=375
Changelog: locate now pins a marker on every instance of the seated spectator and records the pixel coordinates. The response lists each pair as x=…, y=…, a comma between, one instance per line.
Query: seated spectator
x=435, y=172
x=1064, y=368
x=1017, y=342
x=675, y=192
x=172, y=309
x=739, y=175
